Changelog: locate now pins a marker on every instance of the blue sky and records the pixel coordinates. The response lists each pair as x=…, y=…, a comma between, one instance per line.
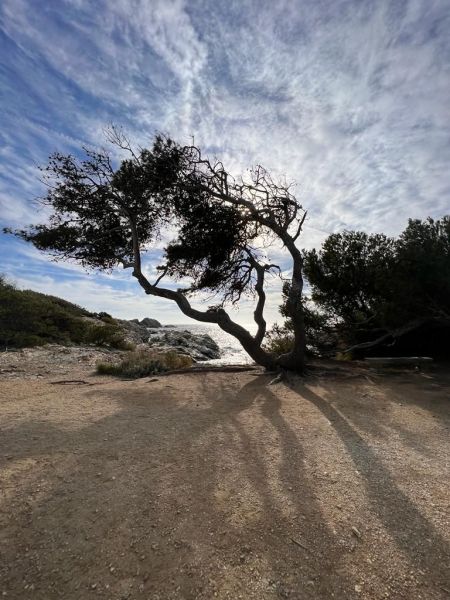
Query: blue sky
x=348, y=98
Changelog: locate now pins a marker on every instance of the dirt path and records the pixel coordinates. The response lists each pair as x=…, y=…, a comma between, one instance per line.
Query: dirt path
x=221, y=486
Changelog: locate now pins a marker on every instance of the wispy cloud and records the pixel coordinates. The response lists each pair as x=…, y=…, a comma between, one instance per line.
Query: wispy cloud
x=347, y=98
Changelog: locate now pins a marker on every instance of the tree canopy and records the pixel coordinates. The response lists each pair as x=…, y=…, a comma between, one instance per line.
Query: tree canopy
x=371, y=284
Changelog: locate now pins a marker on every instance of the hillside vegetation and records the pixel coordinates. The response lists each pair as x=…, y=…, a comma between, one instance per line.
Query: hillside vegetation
x=30, y=318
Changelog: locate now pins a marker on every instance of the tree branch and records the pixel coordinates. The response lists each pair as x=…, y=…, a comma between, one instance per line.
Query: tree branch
x=300, y=225
x=258, y=313
x=116, y=136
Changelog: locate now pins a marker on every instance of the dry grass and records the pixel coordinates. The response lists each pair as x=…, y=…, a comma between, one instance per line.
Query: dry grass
x=142, y=363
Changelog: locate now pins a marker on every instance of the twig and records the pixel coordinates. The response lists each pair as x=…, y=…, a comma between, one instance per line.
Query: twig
x=297, y=543
x=68, y=381
x=279, y=378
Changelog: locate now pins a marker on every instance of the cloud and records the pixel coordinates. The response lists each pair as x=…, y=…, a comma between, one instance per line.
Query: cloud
x=347, y=98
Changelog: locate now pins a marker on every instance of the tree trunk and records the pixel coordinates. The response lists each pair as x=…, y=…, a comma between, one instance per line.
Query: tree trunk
x=251, y=345
x=293, y=361
x=296, y=359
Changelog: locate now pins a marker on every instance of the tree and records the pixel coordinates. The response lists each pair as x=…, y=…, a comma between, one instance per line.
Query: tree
x=421, y=279
x=380, y=289
x=350, y=277
x=104, y=215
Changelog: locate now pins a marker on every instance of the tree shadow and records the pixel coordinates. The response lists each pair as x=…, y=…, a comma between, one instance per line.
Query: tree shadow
x=375, y=405
x=425, y=547
x=181, y=499
x=189, y=494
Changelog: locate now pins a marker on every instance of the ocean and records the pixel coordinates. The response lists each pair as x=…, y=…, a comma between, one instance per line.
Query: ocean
x=232, y=351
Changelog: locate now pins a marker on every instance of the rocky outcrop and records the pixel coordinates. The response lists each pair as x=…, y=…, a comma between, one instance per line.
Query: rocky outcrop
x=138, y=331
x=55, y=360
x=199, y=347
x=152, y=323
x=165, y=338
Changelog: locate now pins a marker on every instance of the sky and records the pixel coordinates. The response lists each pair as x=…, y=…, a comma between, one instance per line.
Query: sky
x=348, y=98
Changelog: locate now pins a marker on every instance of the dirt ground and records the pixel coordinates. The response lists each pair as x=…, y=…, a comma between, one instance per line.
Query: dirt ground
x=223, y=486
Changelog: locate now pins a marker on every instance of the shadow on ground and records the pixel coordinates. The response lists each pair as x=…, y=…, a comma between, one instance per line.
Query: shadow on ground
x=217, y=486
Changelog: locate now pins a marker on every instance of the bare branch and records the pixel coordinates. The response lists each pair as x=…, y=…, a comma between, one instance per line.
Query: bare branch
x=300, y=225
x=116, y=136
x=164, y=272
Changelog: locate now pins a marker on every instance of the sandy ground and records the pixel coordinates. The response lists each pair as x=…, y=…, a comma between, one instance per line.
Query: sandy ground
x=222, y=486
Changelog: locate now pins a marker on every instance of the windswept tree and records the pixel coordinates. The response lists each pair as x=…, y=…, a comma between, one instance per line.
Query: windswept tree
x=105, y=214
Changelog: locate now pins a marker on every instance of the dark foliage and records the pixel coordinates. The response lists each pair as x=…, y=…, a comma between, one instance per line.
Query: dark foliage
x=209, y=245
x=94, y=204
x=349, y=274
x=369, y=285
x=421, y=277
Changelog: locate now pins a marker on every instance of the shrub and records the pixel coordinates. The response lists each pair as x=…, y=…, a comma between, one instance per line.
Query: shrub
x=172, y=360
x=131, y=369
x=105, y=317
x=30, y=319
x=143, y=363
x=107, y=335
x=123, y=344
x=279, y=341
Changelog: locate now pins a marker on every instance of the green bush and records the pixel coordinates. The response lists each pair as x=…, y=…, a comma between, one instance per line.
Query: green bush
x=107, y=335
x=105, y=317
x=368, y=284
x=123, y=344
x=143, y=363
x=133, y=366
